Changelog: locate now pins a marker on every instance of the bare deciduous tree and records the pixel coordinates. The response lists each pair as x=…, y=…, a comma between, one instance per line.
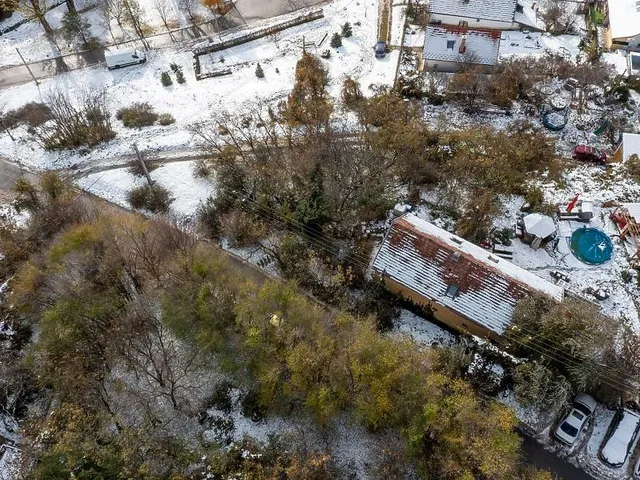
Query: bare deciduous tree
x=163, y=365
x=133, y=16
x=85, y=121
x=37, y=10
x=164, y=12
x=189, y=6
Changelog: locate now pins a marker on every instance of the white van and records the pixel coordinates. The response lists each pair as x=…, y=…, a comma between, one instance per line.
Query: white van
x=124, y=58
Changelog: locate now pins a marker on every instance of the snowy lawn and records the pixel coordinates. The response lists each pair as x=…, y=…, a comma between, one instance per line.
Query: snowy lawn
x=200, y=101
x=187, y=190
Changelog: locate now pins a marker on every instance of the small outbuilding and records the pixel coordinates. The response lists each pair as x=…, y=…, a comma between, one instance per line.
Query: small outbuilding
x=537, y=229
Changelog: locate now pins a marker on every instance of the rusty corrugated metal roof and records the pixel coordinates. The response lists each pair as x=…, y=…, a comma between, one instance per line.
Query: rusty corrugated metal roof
x=428, y=259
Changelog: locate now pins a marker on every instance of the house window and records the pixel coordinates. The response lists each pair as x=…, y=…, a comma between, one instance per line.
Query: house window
x=452, y=291
x=520, y=8
x=477, y=19
x=455, y=257
x=463, y=23
x=435, y=66
x=451, y=44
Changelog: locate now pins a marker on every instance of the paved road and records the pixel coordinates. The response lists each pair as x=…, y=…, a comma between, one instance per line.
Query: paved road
x=538, y=456
x=248, y=11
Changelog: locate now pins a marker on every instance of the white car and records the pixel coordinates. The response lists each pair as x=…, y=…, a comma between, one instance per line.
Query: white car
x=569, y=428
x=625, y=429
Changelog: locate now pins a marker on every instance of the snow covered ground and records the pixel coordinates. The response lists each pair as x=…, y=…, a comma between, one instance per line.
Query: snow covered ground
x=199, y=101
x=422, y=331
x=618, y=60
x=609, y=276
x=34, y=44
x=187, y=190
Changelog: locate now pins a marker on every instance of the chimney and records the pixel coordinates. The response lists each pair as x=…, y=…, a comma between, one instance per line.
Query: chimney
x=463, y=45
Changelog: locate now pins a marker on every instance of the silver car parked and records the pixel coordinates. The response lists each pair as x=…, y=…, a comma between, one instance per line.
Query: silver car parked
x=570, y=427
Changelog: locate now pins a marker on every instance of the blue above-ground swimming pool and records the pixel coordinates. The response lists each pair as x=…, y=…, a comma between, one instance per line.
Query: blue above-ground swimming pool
x=591, y=246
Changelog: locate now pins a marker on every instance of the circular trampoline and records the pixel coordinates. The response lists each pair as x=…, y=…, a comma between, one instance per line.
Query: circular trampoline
x=591, y=246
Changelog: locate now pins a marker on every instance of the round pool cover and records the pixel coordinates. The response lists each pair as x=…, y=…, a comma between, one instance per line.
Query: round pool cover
x=591, y=246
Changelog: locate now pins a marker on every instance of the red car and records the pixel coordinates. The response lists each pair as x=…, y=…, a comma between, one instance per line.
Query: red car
x=589, y=154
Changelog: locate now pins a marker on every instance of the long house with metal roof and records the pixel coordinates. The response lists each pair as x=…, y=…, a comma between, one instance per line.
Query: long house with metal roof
x=464, y=285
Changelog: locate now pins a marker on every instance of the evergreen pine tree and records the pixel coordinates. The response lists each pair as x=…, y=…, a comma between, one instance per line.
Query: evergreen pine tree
x=347, y=31
x=165, y=78
x=259, y=71
x=336, y=40
x=312, y=210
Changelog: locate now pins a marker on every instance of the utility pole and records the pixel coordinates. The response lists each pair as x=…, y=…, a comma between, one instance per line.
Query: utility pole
x=144, y=165
x=27, y=65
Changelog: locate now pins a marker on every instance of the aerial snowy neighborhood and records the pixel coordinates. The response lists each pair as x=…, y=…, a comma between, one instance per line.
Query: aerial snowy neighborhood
x=320, y=239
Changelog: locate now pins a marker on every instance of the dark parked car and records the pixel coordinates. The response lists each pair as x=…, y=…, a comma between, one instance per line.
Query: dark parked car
x=381, y=48
x=589, y=154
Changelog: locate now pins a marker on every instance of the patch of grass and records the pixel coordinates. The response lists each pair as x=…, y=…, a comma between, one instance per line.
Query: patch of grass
x=383, y=28
x=136, y=169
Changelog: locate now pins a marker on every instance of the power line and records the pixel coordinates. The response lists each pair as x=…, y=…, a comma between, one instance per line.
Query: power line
x=547, y=346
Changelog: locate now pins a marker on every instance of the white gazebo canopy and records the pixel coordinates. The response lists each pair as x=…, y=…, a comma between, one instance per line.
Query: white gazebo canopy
x=539, y=225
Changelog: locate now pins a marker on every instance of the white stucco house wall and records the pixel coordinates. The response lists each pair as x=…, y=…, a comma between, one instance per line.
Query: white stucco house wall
x=447, y=48
x=623, y=24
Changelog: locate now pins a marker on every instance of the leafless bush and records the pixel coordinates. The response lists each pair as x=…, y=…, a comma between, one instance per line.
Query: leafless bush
x=241, y=229
x=73, y=124
x=33, y=114
x=558, y=18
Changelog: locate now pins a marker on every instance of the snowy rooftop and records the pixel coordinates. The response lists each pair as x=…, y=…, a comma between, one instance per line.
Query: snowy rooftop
x=633, y=209
x=624, y=18
x=498, y=10
x=529, y=16
x=630, y=145
x=539, y=225
x=428, y=259
x=454, y=44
